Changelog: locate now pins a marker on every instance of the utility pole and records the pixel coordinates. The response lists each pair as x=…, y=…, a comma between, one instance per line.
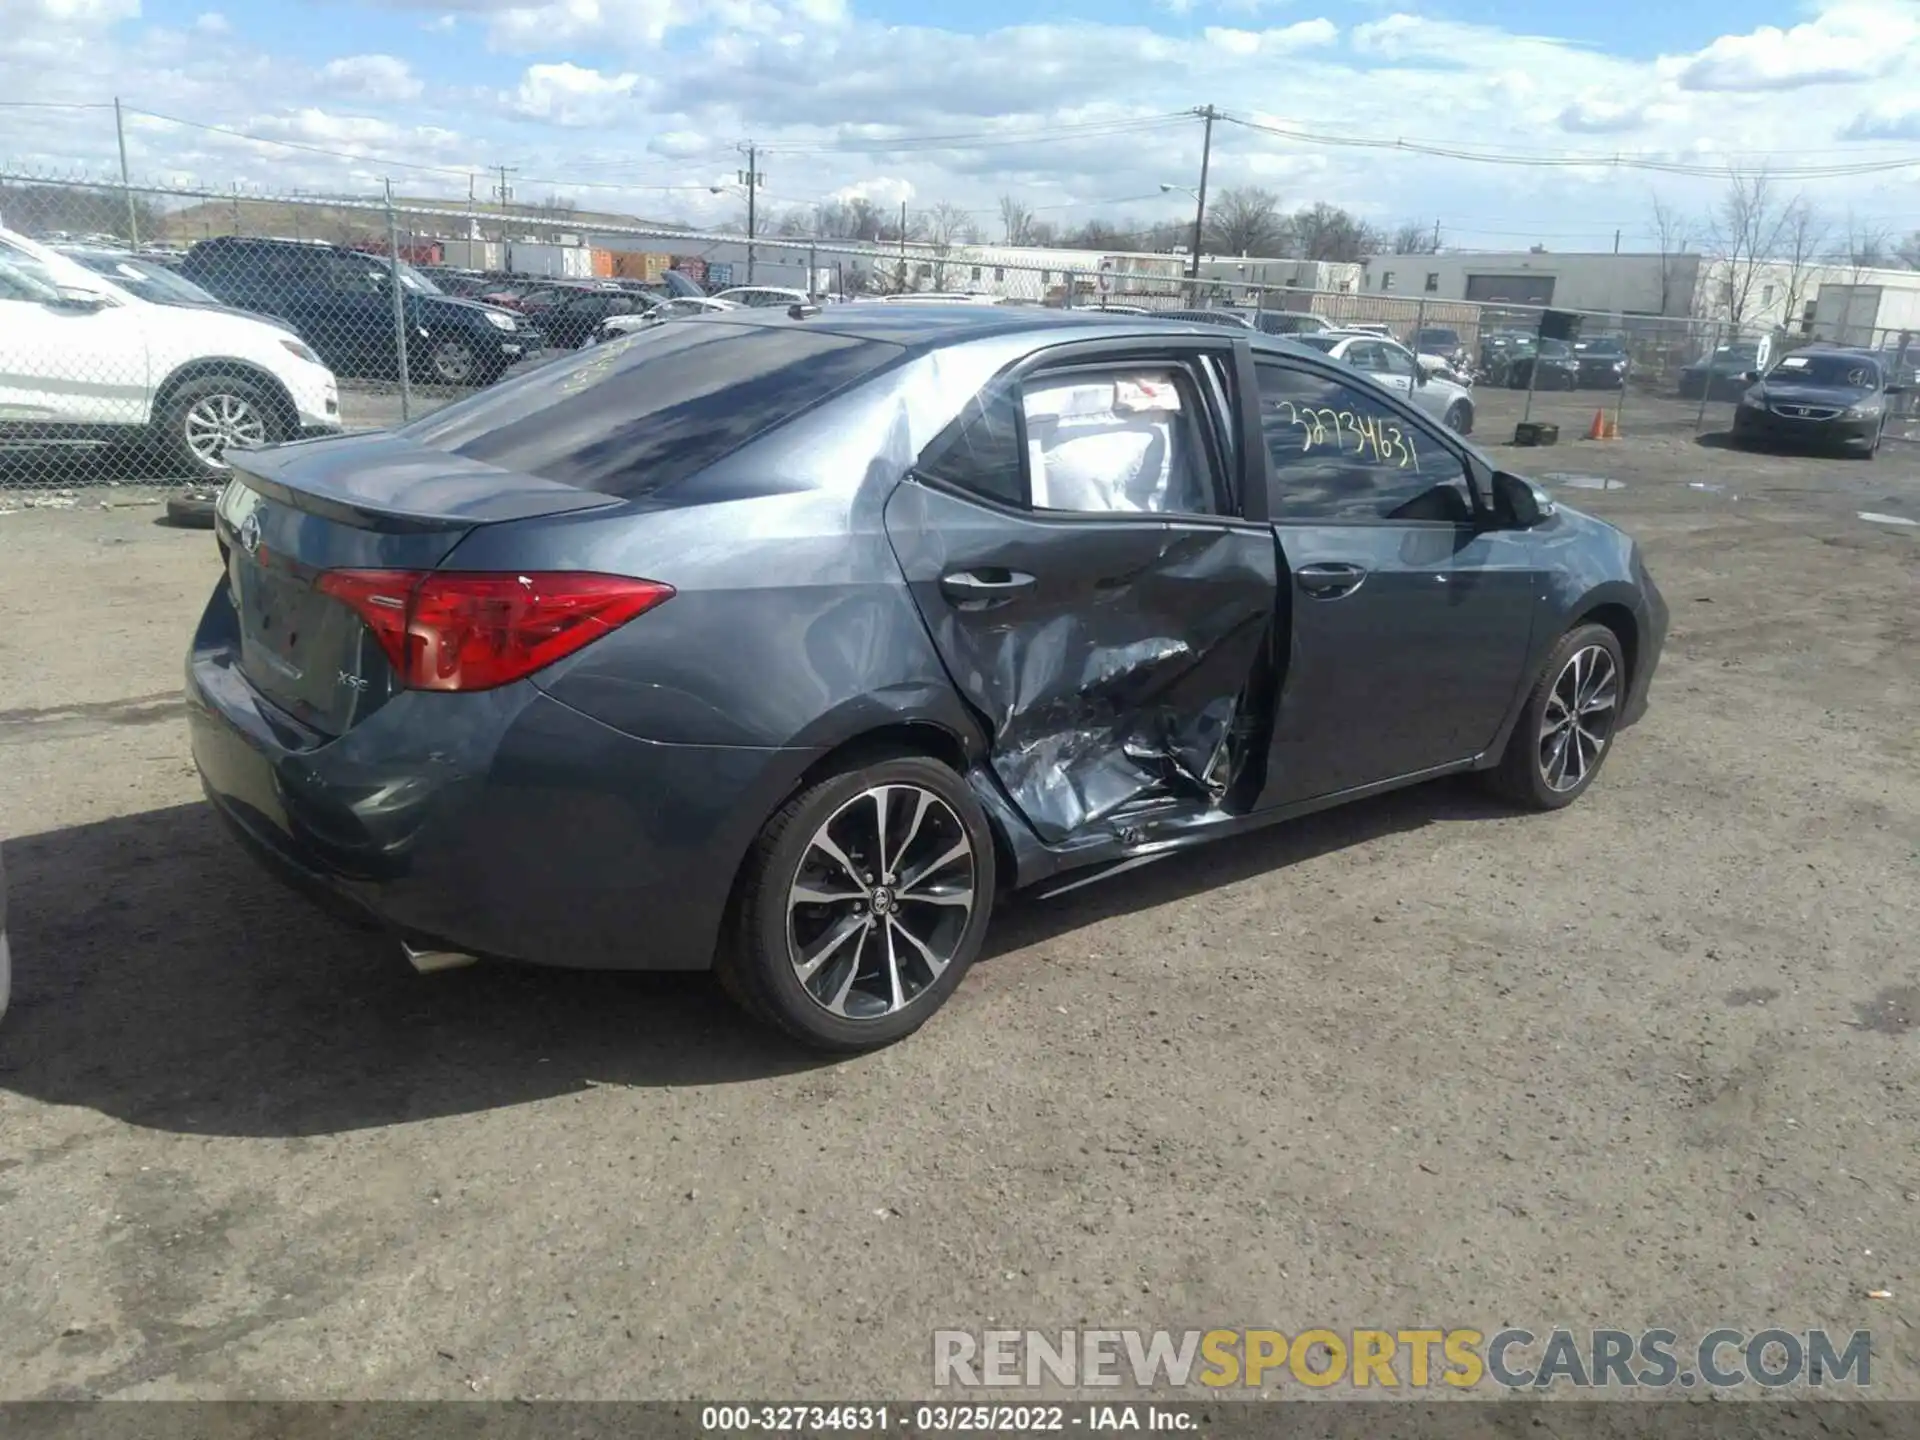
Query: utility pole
x=126, y=185
x=1436, y=237
x=903, y=247
x=1206, y=112
x=751, y=178
x=1616, y=242
x=504, y=194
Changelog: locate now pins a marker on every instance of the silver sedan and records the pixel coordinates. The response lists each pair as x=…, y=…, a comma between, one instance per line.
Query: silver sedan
x=1394, y=366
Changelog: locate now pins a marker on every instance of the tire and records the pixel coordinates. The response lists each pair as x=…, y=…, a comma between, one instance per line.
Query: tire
x=820, y=970
x=190, y=512
x=452, y=361
x=1526, y=772
x=204, y=415
x=1459, y=418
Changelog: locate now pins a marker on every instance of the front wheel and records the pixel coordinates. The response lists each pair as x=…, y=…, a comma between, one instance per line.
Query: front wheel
x=1460, y=418
x=202, y=417
x=862, y=904
x=1567, y=727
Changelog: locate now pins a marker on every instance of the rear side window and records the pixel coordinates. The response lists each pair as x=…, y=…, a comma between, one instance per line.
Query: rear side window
x=633, y=415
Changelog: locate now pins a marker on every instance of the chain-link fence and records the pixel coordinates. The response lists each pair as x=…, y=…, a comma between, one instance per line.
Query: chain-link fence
x=144, y=330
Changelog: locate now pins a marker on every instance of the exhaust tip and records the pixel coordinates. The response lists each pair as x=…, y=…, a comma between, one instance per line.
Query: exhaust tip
x=431, y=962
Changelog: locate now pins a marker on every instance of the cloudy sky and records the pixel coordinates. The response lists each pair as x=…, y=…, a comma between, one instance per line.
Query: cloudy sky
x=1078, y=106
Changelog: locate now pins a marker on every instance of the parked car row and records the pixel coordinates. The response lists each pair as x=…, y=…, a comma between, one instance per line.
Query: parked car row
x=99, y=349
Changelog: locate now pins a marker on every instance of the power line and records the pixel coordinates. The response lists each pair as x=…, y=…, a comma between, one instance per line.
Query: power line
x=1568, y=160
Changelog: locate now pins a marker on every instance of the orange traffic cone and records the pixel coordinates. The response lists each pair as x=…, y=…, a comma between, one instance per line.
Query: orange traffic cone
x=1613, y=427
x=1597, y=430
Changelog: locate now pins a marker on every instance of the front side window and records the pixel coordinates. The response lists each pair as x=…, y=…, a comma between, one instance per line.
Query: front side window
x=1394, y=360
x=1342, y=456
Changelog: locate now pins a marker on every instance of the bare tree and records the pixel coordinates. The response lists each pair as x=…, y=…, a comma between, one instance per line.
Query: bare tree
x=1016, y=221
x=1746, y=229
x=1105, y=235
x=1673, y=233
x=1908, y=251
x=1865, y=245
x=1411, y=237
x=1043, y=233
x=1245, y=221
x=1803, y=231
x=944, y=225
x=1326, y=232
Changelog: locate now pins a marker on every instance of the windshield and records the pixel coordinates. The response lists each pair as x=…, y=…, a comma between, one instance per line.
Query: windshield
x=1745, y=354
x=1601, y=345
x=413, y=280
x=153, y=283
x=1840, y=371
x=1438, y=337
x=1321, y=342
x=1555, y=349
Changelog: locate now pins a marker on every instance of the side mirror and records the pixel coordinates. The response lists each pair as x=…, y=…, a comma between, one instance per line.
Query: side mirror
x=80, y=302
x=1895, y=390
x=1519, y=502
x=1751, y=377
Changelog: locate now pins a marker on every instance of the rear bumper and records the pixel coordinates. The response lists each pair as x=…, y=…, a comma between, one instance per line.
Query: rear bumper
x=502, y=824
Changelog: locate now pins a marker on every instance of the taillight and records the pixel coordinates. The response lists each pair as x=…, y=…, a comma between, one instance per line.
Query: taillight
x=452, y=630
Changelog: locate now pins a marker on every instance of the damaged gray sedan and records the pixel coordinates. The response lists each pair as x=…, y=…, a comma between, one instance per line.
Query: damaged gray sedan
x=782, y=643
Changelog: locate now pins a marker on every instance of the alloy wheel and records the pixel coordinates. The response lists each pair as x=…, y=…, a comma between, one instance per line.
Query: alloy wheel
x=1578, y=718
x=213, y=422
x=453, y=362
x=880, y=901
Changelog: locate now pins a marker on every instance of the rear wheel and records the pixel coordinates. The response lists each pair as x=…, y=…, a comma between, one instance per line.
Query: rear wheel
x=202, y=417
x=1567, y=727
x=862, y=904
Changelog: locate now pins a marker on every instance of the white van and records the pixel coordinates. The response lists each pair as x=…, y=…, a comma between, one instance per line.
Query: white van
x=85, y=361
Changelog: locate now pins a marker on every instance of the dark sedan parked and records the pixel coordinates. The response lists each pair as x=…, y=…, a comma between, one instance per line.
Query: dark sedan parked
x=1558, y=366
x=1829, y=398
x=1602, y=363
x=1723, y=375
x=782, y=644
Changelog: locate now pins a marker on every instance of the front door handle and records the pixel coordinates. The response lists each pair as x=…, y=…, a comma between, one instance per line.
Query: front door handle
x=988, y=586
x=1330, y=581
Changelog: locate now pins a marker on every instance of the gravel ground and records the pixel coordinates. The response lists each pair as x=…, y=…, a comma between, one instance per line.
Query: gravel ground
x=1420, y=1062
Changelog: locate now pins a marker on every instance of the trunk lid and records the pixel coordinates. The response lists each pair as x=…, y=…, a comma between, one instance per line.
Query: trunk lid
x=357, y=502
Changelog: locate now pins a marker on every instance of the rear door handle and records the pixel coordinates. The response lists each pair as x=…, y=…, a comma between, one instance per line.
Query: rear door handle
x=1329, y=581
x=988, y=586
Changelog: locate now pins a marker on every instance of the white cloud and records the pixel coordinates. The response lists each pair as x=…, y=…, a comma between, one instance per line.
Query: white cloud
x=213, y=23
x=572, y=95
x=1897, y=120
x=823, y=85
x=1846, y=44
x=383, y=79
x=1302, y=36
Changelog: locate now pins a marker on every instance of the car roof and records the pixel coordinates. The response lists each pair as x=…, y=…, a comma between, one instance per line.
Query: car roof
x=920, y=328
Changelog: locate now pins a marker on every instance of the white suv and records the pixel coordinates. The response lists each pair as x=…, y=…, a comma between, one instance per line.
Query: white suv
x=83, y=360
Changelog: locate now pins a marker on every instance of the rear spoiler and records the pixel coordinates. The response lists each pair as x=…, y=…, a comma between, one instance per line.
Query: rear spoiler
x=379, y=481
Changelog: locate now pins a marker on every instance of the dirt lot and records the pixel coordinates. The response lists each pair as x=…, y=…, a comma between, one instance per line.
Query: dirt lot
x=1423, y=1062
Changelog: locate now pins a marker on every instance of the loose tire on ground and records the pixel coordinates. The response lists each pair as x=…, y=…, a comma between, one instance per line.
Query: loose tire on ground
x=896, y=894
